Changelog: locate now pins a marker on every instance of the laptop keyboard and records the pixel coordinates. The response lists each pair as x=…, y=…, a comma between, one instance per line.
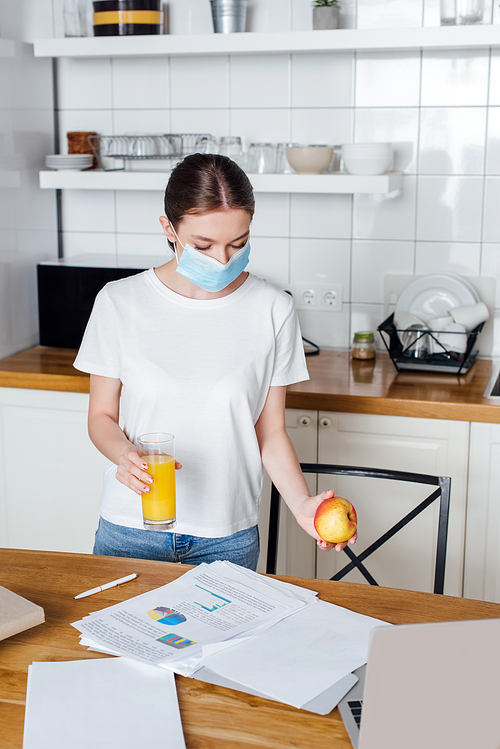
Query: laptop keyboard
x=356, y=706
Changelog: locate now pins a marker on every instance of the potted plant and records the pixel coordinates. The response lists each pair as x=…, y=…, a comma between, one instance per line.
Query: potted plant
x=326, y=14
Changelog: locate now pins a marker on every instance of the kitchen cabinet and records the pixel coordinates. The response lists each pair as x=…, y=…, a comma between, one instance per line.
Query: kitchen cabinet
x=437, y=447
x=51, y=472
x=296, y=549
x=482, y=540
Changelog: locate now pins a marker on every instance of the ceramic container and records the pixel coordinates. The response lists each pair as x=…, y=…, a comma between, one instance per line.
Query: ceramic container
x=309, y=159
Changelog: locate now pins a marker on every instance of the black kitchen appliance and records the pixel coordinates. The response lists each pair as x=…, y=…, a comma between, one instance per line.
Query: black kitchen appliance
x=68, y=287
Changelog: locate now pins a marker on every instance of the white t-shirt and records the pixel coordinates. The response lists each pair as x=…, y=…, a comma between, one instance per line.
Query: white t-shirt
x=200, y=370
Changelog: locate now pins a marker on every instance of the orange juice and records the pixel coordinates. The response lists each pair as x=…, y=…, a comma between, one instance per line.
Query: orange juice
x=159, y=503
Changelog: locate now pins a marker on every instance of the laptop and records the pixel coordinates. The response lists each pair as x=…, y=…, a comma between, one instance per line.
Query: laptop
x=435, y=686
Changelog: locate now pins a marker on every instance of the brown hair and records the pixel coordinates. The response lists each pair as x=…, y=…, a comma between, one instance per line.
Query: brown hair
x=205, y=182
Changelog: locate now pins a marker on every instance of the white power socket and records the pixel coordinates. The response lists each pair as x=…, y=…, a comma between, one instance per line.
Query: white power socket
x=324, y=298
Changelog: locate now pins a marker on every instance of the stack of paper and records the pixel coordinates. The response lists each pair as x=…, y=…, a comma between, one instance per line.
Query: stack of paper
x=227, y=625
x=101, y=703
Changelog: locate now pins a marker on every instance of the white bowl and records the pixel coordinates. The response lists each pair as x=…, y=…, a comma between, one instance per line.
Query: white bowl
x=367, y=165
x=309, y=159
x=362, y=147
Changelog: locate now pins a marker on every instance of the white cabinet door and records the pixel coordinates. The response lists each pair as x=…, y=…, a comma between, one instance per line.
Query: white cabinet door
x=431, y=446
x=51, y=471
x=296, y=549
x=482, y=545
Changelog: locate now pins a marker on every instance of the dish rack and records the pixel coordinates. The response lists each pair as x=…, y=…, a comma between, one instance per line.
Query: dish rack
x=445, y=361
x=167, y=146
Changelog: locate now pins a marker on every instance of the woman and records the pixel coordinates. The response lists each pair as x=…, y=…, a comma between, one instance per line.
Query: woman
x=202, y=349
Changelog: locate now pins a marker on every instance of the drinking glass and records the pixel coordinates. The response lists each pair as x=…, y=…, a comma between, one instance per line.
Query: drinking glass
x=206, y=144
x=262, y=158
x=158, y=505
x=282, y=165
x=75, y=17
x=448, y=12
x=230, y=145
x=470, y=11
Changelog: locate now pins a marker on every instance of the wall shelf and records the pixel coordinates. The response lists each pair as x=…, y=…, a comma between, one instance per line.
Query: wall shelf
x=292, y=183
x=339, y=40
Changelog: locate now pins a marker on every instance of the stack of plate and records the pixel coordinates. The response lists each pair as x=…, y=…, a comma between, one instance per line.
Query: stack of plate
x=367, y=158
x=74, y=161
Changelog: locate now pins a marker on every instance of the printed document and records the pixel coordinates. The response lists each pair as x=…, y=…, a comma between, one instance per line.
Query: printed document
x=208, y=604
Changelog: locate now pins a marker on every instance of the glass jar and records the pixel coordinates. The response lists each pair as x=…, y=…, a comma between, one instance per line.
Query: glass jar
x=363, y=345
x=75, y=17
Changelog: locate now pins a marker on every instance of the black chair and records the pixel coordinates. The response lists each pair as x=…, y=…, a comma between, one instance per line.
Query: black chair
x=443, y=484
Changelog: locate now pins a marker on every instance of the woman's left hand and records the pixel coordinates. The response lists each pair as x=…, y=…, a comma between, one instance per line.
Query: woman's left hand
x=305, y=518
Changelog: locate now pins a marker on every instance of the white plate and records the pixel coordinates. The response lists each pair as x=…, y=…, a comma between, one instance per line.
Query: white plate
x=70, y=168
x=432, y=296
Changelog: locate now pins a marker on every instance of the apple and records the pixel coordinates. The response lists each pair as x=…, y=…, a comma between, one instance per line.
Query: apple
x=335, y=520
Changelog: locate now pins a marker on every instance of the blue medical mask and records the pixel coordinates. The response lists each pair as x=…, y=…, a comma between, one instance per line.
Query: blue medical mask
x=208, y=273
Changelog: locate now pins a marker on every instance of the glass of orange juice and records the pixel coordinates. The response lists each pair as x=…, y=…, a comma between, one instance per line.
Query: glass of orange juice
x=158, y=505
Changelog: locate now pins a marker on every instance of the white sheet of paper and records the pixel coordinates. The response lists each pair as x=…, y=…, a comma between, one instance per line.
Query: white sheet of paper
x=322, y=704
x=301, y=656
x=101, y=703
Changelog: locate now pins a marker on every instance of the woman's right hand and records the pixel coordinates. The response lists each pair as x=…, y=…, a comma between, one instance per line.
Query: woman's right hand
x=132, y=471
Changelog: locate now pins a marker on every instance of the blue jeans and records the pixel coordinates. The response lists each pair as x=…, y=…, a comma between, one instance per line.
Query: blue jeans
x=119, y=541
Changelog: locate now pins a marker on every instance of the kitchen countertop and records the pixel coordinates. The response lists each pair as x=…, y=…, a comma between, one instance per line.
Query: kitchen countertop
x=337, y=384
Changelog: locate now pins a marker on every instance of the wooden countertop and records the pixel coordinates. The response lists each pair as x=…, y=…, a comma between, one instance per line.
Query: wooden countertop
x=337, y=384
x=211, y=716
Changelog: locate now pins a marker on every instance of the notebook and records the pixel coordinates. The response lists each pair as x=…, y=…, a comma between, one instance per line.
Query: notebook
x=17, y=614
x=428, y=685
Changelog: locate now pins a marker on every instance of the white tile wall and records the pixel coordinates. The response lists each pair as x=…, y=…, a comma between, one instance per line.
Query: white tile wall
x=28, y=222
x=370, y=261
x=257, y=81
x=140, y=83
x=441, y=110
x=448, y=257
x=457, y=78
x=452, y=140
x=385, y=14
x=322, y=80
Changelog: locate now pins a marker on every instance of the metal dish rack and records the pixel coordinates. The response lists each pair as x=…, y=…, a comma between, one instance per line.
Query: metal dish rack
x=445, y=361
x=170, y=147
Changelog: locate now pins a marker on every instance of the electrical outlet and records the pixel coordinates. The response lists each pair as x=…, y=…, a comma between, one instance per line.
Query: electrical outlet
x=322, y=298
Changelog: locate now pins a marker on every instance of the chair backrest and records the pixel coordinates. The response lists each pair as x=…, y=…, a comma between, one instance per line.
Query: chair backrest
x=442, y=492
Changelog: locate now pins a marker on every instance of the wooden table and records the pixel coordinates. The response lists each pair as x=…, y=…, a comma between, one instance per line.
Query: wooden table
x=211, y=716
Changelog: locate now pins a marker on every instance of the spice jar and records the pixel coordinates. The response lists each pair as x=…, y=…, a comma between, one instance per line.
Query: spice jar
x=363, y=345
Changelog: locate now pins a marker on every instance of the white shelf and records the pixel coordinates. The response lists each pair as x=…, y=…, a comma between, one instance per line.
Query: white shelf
x=339, y=40
x=293, y=183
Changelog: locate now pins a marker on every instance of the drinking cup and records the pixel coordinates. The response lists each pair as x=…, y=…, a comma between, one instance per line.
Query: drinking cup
x=262, y=158
x=470, y=11
x=230, y=145
x=415, y=341
x=282, y=165
x=471, y=315
x=158, y=505
x=206, y=144
x=451, y=338
x=439, y=323
x=448, y=12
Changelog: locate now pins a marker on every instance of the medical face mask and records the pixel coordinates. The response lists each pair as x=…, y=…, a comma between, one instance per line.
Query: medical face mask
x=208, y=273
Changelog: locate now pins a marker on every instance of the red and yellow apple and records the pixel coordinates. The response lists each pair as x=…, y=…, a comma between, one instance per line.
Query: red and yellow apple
x=335, y=520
